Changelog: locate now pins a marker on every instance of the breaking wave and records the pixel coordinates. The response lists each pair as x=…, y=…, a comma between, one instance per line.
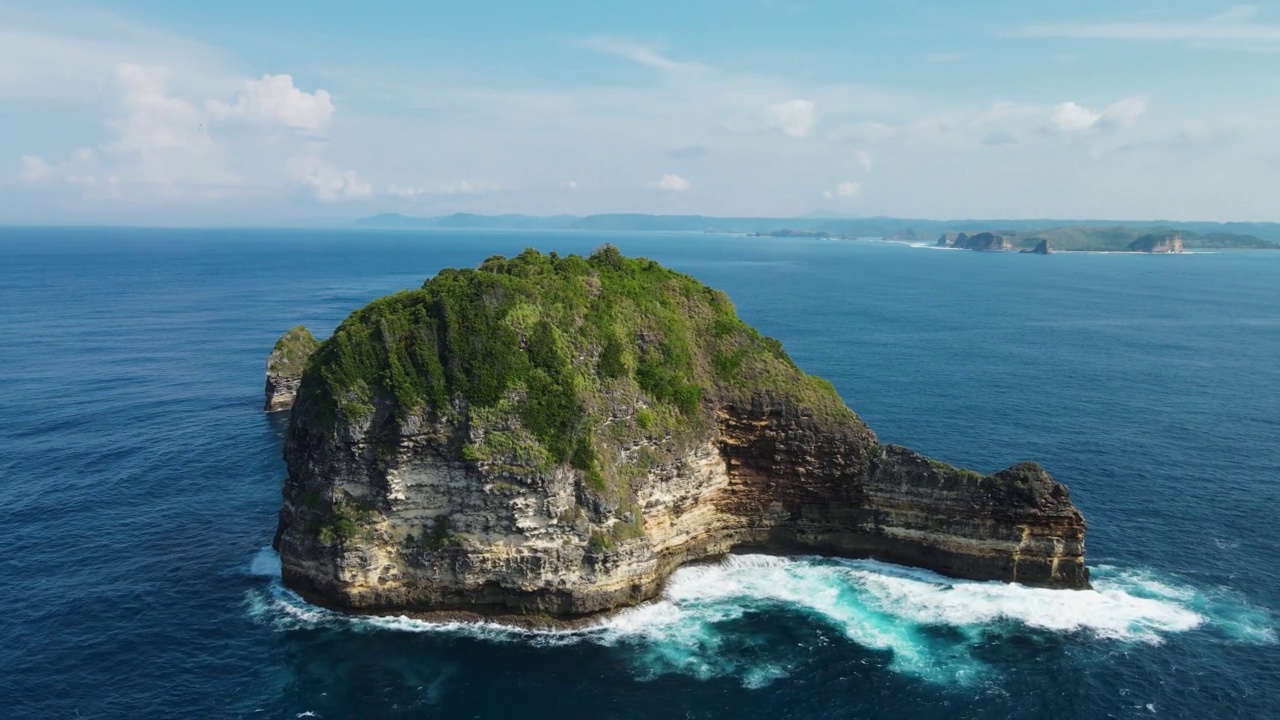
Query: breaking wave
x=723, y=619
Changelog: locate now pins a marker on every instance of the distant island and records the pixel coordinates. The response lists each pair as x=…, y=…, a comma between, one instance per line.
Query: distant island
x=1083, y=234
x=550, y=436
x=1111, y=239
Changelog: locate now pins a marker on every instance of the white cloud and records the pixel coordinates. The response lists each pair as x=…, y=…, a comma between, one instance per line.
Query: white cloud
x=634, y=51
x=1235, y=24
x=163, y=146
x=1125, y=113
x=462, y=187
x=793, y=117
x=1070, y=117
x=332, y=185
x=846, y=189
x=570, y=185
x=672, y=183
x=34, y=170
x=274, y=100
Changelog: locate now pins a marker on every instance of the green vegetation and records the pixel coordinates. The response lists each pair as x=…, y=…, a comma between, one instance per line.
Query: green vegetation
x=346, y=521
x=536, y=350
x=1119, y=238
x=951, y=470
x=290, y=354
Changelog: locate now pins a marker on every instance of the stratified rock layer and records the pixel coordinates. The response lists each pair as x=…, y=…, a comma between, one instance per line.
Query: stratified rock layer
x=285, y=364
x=1155, y=243
x=441, y=509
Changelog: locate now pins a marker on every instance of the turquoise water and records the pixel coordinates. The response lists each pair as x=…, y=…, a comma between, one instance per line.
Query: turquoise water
x=141, y=481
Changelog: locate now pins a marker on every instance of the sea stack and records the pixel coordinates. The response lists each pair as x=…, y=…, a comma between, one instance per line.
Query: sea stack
x=1044, y=247
x=285, y=365
x=550, y=436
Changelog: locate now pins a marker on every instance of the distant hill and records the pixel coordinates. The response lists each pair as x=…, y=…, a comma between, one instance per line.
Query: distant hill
x=1119, y=238
x=1063, y=234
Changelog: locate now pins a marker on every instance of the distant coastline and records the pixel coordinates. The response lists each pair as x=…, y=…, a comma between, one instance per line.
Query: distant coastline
x=1062, y=235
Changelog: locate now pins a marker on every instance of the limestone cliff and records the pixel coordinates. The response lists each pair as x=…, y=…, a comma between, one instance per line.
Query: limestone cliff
x=284, y=367
x=554, y=435
x=1156, y=243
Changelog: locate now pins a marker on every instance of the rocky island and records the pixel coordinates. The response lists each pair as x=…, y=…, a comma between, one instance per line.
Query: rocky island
x=285, y=365
x=547, y=437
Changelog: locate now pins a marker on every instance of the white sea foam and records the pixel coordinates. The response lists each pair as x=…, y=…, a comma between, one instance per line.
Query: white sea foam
x=265, y=564
x=924, y=624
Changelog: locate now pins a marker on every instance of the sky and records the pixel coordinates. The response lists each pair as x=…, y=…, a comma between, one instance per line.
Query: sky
x=153, y=112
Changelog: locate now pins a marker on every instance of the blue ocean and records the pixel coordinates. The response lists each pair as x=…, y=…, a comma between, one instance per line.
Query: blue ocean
x=140, y=479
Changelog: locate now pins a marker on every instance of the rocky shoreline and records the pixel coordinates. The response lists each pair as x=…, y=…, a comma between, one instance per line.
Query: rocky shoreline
x=454, y=511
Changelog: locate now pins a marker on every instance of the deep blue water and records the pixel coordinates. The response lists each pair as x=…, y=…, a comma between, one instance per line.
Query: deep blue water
x=139, y=482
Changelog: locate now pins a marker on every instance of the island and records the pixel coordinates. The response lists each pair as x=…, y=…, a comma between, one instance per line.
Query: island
x=547, y=437
x=284, y=367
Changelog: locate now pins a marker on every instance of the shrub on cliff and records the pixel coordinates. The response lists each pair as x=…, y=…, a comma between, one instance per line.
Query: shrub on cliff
x=545, y=344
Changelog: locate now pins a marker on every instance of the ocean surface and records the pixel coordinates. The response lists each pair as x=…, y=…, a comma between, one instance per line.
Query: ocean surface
x=140, y=479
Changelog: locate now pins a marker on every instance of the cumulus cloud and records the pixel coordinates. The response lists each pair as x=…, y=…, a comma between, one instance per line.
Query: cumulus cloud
x=672, y=183
x=793, y=117
x=275, y=100
x=1070, y=117
x=329, y=184
x=164, y=146
x=846, y=189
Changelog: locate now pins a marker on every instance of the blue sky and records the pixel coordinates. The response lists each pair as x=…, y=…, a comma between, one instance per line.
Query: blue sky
x=232, y=112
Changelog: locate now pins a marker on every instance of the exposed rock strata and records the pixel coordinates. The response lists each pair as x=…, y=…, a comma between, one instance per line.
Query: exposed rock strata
x=1158, y=244
x=285, y=364
x=391, y=511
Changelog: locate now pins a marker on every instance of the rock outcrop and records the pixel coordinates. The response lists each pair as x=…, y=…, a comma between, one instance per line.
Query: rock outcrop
x=285, y=365
x=986, y=241
x=416, y=484
x=1156, y=243
x=1044, y=247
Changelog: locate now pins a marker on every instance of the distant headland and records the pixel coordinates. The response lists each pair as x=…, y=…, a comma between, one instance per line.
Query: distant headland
x=1060, y=235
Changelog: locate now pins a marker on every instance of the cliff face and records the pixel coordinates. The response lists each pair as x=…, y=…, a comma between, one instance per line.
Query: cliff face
x=1158, y=244
x=464, y=506
x=285, y=365
x=1044, y=247
x=979, y=241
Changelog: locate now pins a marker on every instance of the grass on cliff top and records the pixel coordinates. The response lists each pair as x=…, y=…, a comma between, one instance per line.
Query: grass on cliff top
x=290, y=354
x=556, y=343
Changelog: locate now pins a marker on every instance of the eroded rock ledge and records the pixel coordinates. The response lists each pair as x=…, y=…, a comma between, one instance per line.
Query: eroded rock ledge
x=460, y=506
